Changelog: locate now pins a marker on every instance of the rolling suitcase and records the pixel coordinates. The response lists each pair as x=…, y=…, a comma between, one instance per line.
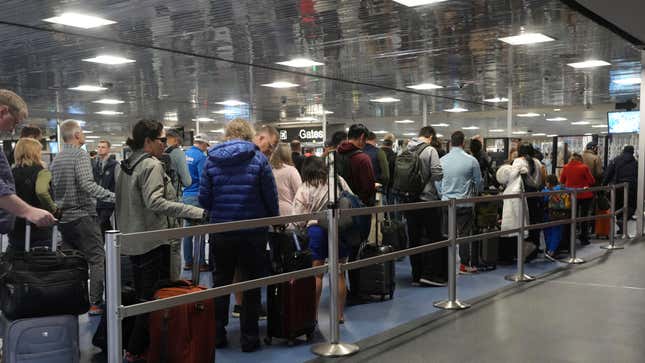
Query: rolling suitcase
x=376, y=280
x=603, y=226
x=291, y=305
x=184, y=333
x=35, y=337
x=393, y=231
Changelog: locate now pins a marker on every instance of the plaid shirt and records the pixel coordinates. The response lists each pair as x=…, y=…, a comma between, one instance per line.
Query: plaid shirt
x=75, y=191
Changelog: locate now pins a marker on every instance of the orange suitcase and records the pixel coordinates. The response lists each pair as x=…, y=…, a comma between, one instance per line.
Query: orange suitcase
x=603, y=225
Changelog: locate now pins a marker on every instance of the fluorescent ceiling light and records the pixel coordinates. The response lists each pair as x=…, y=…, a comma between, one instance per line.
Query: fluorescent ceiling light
x=409, y=134
x=470, y=128
x=496, y=130
x=556, y=109
x=577, y=123
x=385, y=100
x=519, y=132
x=424, y=86
x=302, y=123
x=440, y=125
x=379, y=132
x=232, y=103
x=556, y=119
x=306, y=118
x=108, y=101
x=79, y=20
x=552, y=135
x=88, y=132
x=599, y=126
x=412, y=3
x=588, y=134
x=92, y=137
x=218, y=130
x=628, y=81
x=301, y=63
x=589, y=64
x=456, y=109
x=88, y=88
x=530, y=114
x=496, y=100
x=280, y=84
x=109, y=113
x=526, y=38
x=404, y=122
x=109, y=59
x=439, y=135
x=539, y=134
x=604, y=132
x=224, y=112
x=203, y=119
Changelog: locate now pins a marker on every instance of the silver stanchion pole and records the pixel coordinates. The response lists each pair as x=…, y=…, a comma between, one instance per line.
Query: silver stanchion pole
x=197, y=256
x=572, y=247
x=626, y=215
x=452, y=303
x=113, y=296
x=520, y=276
x=334, y=348
x=612, y=220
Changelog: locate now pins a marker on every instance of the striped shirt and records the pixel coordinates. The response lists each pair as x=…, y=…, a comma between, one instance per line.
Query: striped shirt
x=75, y=191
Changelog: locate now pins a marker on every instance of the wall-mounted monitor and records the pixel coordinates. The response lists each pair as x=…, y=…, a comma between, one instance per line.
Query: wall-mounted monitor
x=622, y=122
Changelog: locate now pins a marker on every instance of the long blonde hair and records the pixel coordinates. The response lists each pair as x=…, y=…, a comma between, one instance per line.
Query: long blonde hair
x=281, y=156
x=28, y=152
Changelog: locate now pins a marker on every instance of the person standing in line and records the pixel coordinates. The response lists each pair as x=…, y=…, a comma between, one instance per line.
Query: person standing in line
x=287, y=178
x=13, y=111
x=461, y=180
x=296, y=155
x=238, y=184
x=266, y=139
x=195, y=160
x=591, y=158
x=180, y=174
x=525, y=157
x=624, y=169
x=104, y=169
x=379, y=160
x=75, y=193
x=576, y=175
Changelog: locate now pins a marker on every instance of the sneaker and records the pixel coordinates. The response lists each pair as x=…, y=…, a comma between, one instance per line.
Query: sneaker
x=429, y=282
x=95, y=310
x=467, y=270
x=188, y=267
x=263, y=313
x=550, y=255
x=236, y=311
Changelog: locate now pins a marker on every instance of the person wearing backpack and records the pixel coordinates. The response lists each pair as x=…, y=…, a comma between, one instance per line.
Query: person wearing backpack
x=195, y=160
x=556, y=209
x=416, y=171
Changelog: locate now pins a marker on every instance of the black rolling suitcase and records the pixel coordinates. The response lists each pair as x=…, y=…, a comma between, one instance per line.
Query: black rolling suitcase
x=291, y=305
x=393, y=231
x=376, y=280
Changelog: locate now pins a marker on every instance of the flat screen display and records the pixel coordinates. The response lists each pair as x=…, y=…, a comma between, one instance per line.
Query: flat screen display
x=621, y=122
x=53, y=147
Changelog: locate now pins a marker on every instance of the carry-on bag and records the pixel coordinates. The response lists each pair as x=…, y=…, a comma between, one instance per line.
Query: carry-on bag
x=393, y=231
x=603, y=226
x=291, y=305
x=376, y=280
x=43, y=282
x=185, y=333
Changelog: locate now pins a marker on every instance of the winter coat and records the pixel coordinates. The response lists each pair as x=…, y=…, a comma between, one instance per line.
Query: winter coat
x=510, y=176
x=623, y=169
x=577, y=175
x=237, y=184
x=145, y=201
x=287, y=180
x=593, y=162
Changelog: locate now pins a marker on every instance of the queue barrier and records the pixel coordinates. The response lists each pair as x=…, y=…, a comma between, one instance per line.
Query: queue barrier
x=116, y=312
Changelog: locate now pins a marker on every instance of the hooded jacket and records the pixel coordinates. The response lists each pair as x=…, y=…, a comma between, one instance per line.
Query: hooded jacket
x=623, y=169
x=361, y=179
x=430, y=167
x=237, y=184
x=145, y=201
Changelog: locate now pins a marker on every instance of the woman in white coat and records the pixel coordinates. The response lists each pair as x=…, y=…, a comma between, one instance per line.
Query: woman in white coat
x=510, y=176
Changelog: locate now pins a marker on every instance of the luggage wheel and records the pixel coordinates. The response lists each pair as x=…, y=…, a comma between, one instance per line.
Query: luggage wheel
x=310, y=337
x=268, y=340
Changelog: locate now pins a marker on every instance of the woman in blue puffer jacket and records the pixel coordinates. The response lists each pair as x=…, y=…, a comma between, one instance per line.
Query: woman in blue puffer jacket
x=237, y=184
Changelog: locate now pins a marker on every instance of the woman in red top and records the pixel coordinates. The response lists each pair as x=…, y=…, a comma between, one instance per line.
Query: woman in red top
x=577, y=175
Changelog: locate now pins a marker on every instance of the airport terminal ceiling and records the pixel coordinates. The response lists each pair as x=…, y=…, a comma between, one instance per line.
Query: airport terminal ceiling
x=190, y=54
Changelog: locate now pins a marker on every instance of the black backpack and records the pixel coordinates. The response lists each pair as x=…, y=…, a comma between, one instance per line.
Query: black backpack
x=408, y=172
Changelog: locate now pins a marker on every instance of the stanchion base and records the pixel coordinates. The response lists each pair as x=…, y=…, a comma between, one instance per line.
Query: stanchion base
x=451, y=305
x=612, y=247
x=519, y=277
x=334, y=350
x=574, y=261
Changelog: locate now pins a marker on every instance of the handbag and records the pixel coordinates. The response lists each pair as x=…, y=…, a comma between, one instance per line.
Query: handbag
x=603, y=202
x=530, y=184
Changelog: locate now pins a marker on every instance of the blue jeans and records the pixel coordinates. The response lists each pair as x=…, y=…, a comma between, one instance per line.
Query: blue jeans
x=188, y=241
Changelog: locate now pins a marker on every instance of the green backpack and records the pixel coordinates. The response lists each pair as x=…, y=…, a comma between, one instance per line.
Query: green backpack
x=408, y=172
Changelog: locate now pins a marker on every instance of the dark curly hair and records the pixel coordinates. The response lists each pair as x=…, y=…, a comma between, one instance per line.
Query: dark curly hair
x=150, y=129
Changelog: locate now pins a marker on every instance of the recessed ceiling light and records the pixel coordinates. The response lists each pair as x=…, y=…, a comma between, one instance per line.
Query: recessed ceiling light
x=88, y=132
x=404, y=122
x=589, y=64
x=306, y=118
x=109, y=113
x=604, y=132
x=231, y=103
x=539, y=134
x=409, y=134
x=599, y=126
x=88, y=88
x=412, y=3
x=552, y=135
x=224, y=112
x=79, y=20
x=529, y=114
x=526, y=38
x=203, y=119
x=92, y=137
x=628, y=81
x=440, y=125
x=519, y=132
x=108, y=101
x=577, y=123
x=556, y=119
x=588, y=134
x=381, y=132
x=496, y=100
x=280, y=84
x=385, y=100
x=301, y=63
x=218, y=130
x=456, y=109
x=556, y=109
x=496, y=130
x=109, y=59
x=439, y=135
x=424, y=86
x=470, y=128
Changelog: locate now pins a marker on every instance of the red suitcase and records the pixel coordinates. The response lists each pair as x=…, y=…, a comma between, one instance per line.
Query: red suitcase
x=602, y=226
x=291, y=310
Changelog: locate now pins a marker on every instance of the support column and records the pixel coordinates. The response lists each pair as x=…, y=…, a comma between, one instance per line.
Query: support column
x=641, y=157
x=425, y=111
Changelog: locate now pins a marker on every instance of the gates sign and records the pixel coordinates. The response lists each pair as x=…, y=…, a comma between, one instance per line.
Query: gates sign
x=308, y=134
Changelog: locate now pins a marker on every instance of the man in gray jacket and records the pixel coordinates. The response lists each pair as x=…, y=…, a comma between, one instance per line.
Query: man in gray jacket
x=424, y=225
x=179, y=170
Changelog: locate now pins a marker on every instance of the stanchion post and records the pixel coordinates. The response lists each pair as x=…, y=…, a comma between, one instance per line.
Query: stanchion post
x=626, y=215
x=612, y=220
x=452, y=303
x=197, y=256
x=572, y=246
x=113, y=296
x=334, y=348
x=520, y=276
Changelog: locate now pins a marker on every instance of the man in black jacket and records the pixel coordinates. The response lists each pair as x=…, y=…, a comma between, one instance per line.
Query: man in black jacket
x=624, y=169
x=104, y=167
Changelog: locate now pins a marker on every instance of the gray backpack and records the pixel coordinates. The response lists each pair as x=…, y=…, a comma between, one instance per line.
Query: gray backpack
x=408, y=172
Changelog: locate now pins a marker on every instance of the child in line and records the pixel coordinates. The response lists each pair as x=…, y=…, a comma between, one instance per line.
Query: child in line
x=557, y=208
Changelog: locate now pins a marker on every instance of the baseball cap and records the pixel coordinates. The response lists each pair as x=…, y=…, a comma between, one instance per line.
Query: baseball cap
x=201, y=138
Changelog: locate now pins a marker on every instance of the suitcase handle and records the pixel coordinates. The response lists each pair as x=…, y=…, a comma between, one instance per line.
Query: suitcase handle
x=54, y=245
